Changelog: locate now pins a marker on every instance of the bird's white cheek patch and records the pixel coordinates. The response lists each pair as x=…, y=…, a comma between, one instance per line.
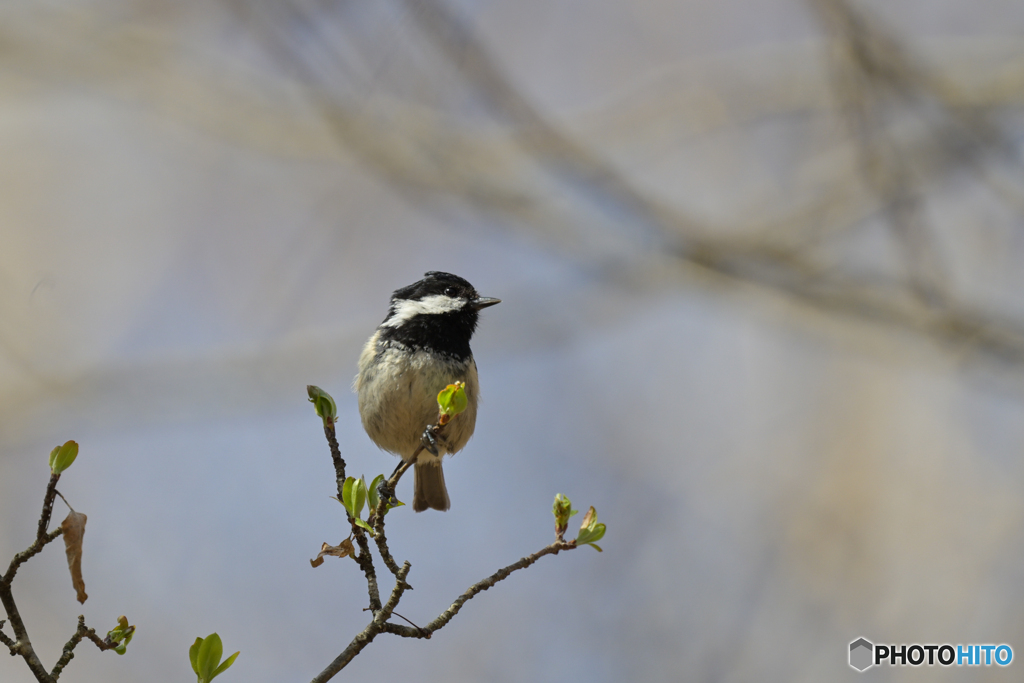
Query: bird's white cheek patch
x=430, y=305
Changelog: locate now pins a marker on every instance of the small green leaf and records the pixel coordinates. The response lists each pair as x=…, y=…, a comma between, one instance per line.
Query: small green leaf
x=347, y=499
x=589, y=536
x=324, y=404
x=205, y=656
x=359, y=497
x=209, y=656
x=353, y=497
x=64, y=456
x=452, y=399
x=193, y=654
x=590, y=530
x=366, y=526
x=224, y=665
x=372, y=494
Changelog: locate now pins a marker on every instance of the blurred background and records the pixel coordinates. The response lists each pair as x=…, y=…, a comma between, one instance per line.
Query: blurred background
x=760, y=265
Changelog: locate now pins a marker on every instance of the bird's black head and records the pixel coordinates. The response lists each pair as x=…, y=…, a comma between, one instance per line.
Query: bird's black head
x=438, y=313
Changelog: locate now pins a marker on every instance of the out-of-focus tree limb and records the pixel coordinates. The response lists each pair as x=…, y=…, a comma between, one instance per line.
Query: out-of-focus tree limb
x=523, y=170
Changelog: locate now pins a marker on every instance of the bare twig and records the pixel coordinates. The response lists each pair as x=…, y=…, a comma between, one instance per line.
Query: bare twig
x=65, y=500
x=372, y=630
x=29, y=552
x=22, y=645
x=69, y=648
x=388, y=491
x=339, y=463
x=6, y=639
x=382, y=542
x=408, y=621
x=378, y=515
x=389, y=487
x=380, y=623
x=363, y=557
x=44, y=519
x=503, y=573
x=494, y=578
x=365, y=561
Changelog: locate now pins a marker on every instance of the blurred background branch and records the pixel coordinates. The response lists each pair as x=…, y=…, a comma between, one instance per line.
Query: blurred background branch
x=432, y=111
x=909, y=128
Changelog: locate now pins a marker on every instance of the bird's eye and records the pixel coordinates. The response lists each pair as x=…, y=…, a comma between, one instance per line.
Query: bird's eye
x=449, y=291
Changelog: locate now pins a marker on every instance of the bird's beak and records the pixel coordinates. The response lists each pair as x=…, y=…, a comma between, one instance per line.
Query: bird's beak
x=484, y=302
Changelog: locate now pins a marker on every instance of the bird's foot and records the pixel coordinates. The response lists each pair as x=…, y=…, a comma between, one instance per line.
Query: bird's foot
x=429, y=439
x=387, y=494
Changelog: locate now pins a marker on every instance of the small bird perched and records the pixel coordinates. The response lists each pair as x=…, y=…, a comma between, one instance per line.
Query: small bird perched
x=421, y=347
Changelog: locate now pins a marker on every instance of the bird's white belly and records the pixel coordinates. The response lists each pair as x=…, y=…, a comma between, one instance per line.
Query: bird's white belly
x=398, y=398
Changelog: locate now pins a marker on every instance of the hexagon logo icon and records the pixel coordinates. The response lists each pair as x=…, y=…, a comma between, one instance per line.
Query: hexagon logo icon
x=862, y=654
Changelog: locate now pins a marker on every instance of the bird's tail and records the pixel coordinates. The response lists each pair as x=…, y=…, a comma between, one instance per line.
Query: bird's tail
x=429, y=490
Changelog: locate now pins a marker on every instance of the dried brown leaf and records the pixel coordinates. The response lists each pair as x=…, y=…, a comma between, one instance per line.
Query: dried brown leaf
x=343, y=549
x=73, y=527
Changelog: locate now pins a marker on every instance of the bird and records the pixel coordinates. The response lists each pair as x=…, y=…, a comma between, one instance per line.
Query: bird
x=421, y=347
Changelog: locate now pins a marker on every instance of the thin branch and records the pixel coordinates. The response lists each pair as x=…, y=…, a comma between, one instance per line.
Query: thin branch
x=501, y=574
x=479, y=587
x=101, y=643
x=382, y=545
x=5, y=639
x=365, y=561
x=388, y=491
x=409, y=621
x=378, y=514
x=339, y=463
x=22, y=645
x=69, y=648
x=363, y=557
x=44, y=519
x=380, y=623
x=65, y=500
x=366, y=636
x=29, y=552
